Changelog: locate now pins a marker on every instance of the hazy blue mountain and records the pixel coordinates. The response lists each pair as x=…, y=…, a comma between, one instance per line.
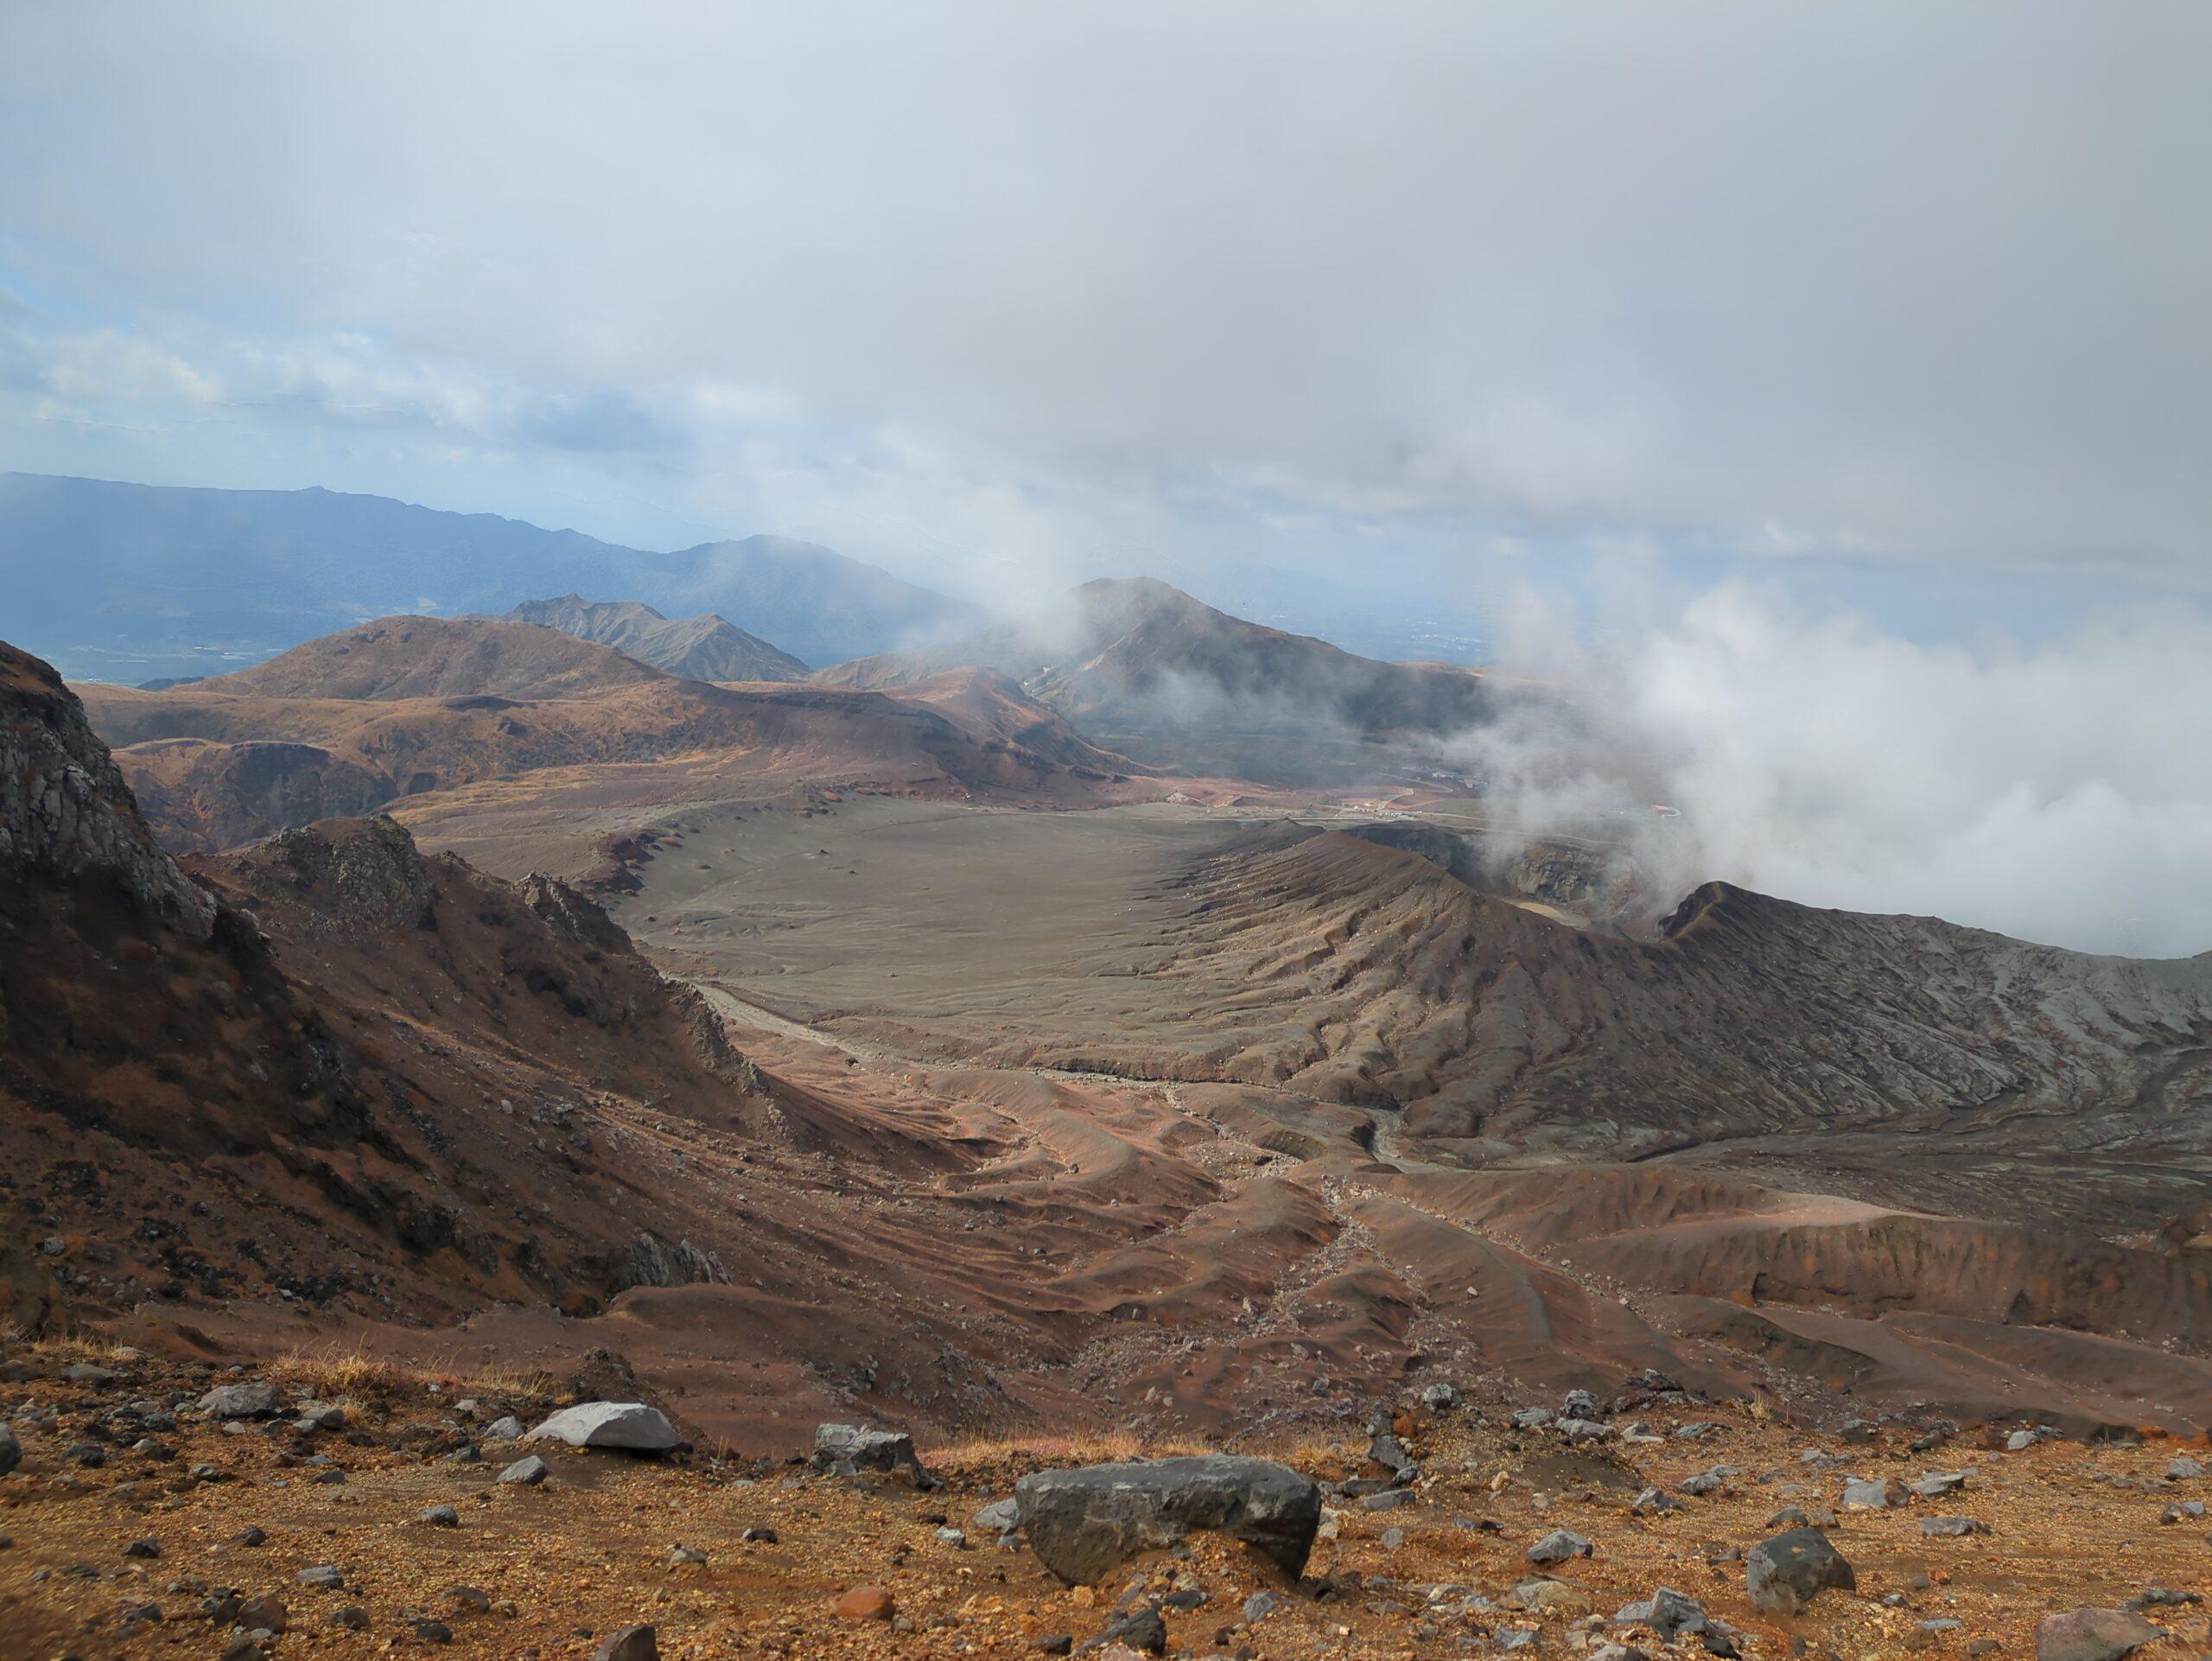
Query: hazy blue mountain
x=134, y=582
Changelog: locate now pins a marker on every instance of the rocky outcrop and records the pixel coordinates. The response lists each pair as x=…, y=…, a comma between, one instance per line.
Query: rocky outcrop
x=65, y=814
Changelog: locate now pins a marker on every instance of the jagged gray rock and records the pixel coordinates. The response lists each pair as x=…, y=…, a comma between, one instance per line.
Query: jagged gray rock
x=848, y=1449
x=1083, y=1522
x=1786, y=1573
x=255, y=1401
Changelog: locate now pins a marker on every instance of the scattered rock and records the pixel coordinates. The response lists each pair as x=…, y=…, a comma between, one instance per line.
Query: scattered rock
x=240, y=1402
x=529, y=1471
x=1667, y=1612
x=631, y=1644
x=848, y=1449
x=1786, y=1573
x=508, y=1428
x=1861, y=1494
x=1951, y=1527
x=1260, y=1605
x=1085, y=1521
x=1558, y=1547
x=2092, y=1635
x=1653, y=1501
x=2183, y=1469
x=442, y=1517
x=325, y=1575
x=147, y=1547
x=630, y=1426
x=1440, y=1398
x=866, y=1603
x=1936, y=1483
x=1142, y=1629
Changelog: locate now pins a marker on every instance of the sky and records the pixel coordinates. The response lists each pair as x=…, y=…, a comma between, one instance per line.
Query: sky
x=1893, y=312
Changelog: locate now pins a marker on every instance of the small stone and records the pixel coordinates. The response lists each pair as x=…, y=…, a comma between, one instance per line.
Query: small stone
x=1558, y=1547
x=1667, y=1612
x=765, y=1537
x=1951, y=1527
x=1440, y=1398
x=2183, y=1469
x=508, y=1428
x=529, y=1471
x=1653, y=1501
x=147, y=1547
x=866, y=1603
x=1260, y=1605
x=686, y=1557
x=249, y=1535
x=1785, y=1573
x=442, y=1517
x=325, y=1575
x=1054, y=1644
x=2092, y=1635
x=631, y=1644
x=352, y=1618
x=1141, y=1629
x=240, y=1402
x=433, y=1631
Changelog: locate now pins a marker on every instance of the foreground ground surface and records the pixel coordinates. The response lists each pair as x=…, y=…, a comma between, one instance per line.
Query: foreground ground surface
x=543, y=1571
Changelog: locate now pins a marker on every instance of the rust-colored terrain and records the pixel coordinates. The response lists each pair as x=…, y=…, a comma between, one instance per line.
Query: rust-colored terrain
x=848, y=1088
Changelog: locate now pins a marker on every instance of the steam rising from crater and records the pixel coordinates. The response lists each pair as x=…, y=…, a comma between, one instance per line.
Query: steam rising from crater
x=2061, y=793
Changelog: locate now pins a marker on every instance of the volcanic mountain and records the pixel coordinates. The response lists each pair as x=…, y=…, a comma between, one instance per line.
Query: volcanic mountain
x=698, y=648
x=419, y=708
x=1144, y=669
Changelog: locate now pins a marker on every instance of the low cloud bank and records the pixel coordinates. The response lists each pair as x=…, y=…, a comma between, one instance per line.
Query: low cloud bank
x=2061, y=793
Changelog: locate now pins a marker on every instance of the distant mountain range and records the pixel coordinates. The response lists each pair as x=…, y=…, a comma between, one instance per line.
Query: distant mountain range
x=136, y=583
x=1143, y=669
x=698, y=648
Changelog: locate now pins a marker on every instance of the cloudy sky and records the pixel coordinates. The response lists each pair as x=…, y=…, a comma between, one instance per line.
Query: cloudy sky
x=1893, y=312
x=1017, y=286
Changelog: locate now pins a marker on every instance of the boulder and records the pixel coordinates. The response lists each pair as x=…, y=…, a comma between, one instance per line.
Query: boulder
x=630, y=1426
x=2092, y=1635
x=848, y=1449
x=240, y=1402
x=1786, y=1573
x=1084, y=1523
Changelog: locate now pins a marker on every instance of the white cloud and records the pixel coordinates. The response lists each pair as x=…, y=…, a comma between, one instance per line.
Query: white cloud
x=2062, y=794
x=1889, y=278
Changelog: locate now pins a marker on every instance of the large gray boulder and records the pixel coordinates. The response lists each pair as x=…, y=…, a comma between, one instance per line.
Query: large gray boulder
x=1084, y=1524
x=1787, y=1572
x=240, y=1402
x=630, y=1426
x=848, y=1449
x=2092, y=1635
